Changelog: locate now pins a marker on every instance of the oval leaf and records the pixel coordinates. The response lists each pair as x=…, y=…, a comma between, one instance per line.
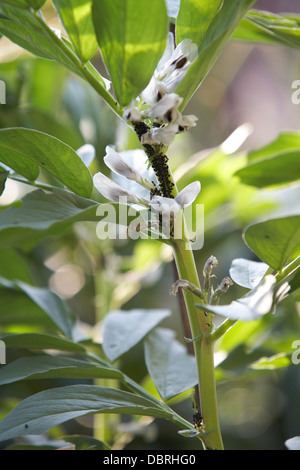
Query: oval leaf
x=216, y=37
x=29, y=146
x=76, y=16
x=274, y=240
x=132, y=37
x=171, y=368
x=122, y=330
x=194, y=17
x=247, y=273
x=272, y=170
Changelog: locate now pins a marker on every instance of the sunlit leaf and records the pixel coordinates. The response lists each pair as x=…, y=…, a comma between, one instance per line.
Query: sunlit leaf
x=247, y=273
x=266, y=27
x=194, y=17
x=38, y=148
x=271, y=363
x=274, y=240
x=217, y=35
x=132, y=37
x=3, y=177
x=76, y=16
x=275, y=169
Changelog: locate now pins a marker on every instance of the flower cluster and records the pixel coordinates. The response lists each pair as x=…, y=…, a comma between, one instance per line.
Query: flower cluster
x=158, y=204
x=158, y=104
x=156, y=119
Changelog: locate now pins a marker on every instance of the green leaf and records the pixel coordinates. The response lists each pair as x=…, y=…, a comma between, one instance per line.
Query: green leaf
x=277, y=361
x=86, y=443
x=132, y=37
x=124, y=329
x=48, y=301
x=171, y=368
x=269, y=28
x=285, y=142
x=42, y=411
x=51, y=304
x=217, y=35
x=33, y=147
x=3, y=177
x=16, y=3
x=76, y=16
x=247, y=273
x=40, y=341
x=194, y=17
x=18, y=309
x=24, y=29
x=274, y=240
x=276, y=169
x=45, y=367
x=41, y=210
x=36, y=4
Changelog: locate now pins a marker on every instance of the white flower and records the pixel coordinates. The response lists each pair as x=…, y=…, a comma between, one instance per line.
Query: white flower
x=188, y=194
x=186, y=197
x=160, y=135
x=113, y=191
x=163, y=205
x=186, y=122
x=154, y=91
x=165, y=110
x=170, y=70
x=116, y=163
x=132, y=114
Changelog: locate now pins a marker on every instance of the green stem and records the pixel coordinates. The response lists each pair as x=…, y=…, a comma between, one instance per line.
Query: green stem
x=204, y=348
x=200, y=323
x=287, y=270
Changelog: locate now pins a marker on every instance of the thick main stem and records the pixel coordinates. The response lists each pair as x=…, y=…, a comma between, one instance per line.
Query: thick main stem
x=204, y=348
x=200, y=323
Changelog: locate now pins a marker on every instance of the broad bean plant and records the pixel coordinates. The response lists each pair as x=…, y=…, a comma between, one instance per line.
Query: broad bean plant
x=94, y=200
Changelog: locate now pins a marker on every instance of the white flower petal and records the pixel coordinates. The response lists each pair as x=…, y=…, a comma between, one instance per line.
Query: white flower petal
x=111, y=190
x=160, y=135
x=185, y=53
x=188, y=194
x=154, y=91
x=132, y=114
x=186, y=122
x=164, y=205
x=165, y=110
x=116, y=163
